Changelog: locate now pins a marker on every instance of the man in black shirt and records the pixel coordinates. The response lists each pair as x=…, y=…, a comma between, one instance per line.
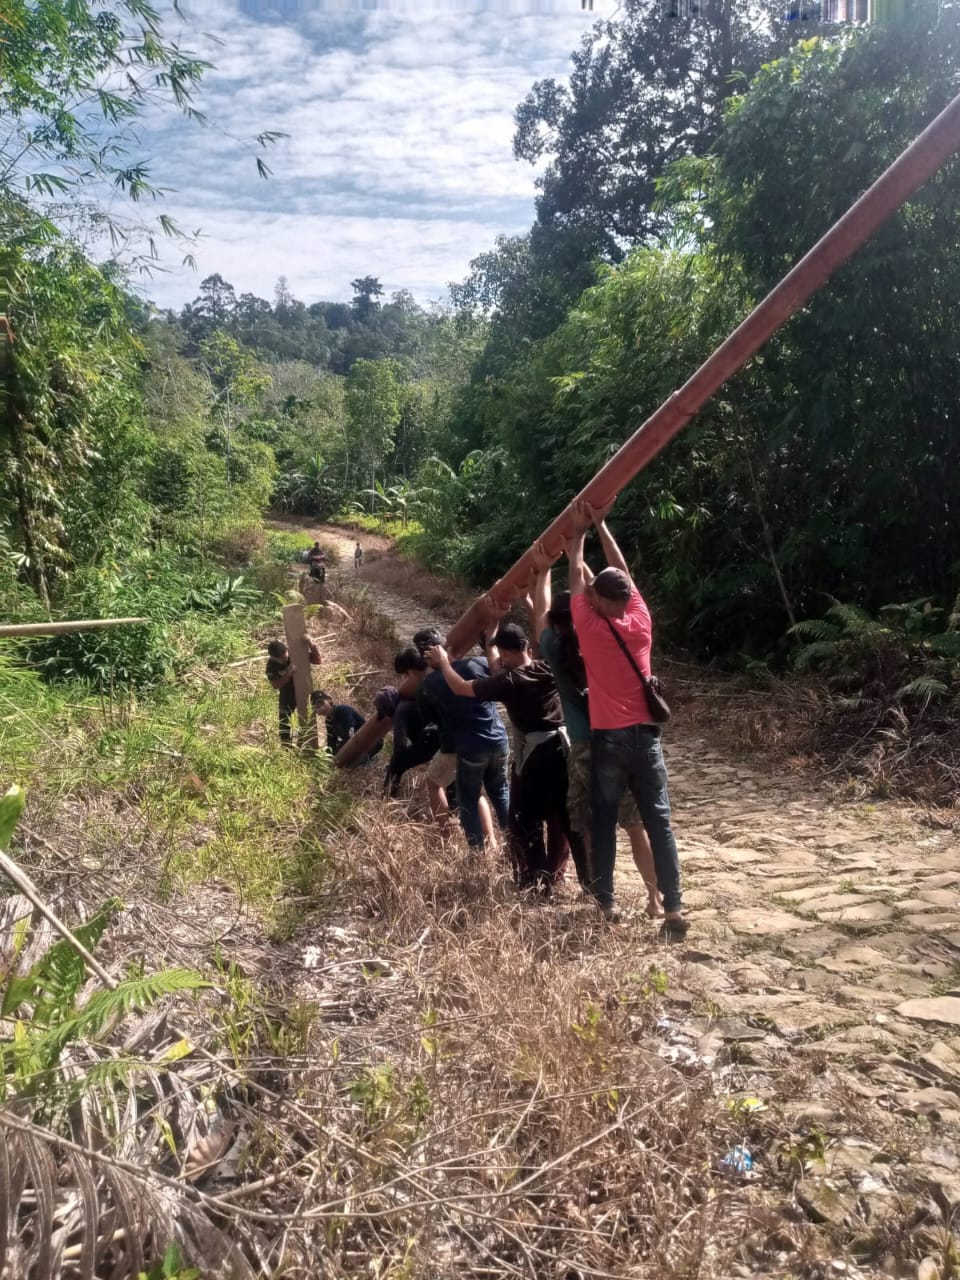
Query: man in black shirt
x=528, y=690
x=343, y=721
x=279, y=672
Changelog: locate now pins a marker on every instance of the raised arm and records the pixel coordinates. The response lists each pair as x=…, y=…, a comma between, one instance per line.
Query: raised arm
x=491, y=653
x=440, y=661
x=580, y=575
x=541, y=602
x=614, y=556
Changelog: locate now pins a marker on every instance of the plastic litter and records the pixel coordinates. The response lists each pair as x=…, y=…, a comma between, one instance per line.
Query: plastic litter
x=746, y=1106
x=739, y=1160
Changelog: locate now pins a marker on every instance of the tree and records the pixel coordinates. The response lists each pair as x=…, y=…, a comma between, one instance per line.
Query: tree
x=366, y=291
x=830, y=465
x=76, y=79
x=69, y=454
x=373, y=412
x=645, y=89
x=237, y=383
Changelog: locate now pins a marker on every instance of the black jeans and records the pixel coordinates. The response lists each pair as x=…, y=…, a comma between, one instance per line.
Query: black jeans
x=621, y=758
x=288, y=709
x=541, y=799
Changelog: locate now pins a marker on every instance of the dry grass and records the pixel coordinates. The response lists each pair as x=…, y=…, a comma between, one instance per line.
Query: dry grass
x=504, y=1112
x=429, y=1077
x=875, y=749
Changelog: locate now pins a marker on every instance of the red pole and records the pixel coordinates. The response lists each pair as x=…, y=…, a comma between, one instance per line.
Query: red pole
x=912, y=168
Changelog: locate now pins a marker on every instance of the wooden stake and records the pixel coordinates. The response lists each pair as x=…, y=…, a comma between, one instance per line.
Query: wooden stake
x=295, y=626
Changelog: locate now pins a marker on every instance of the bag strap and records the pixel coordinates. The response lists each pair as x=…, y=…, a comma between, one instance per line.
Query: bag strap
x=644, y=680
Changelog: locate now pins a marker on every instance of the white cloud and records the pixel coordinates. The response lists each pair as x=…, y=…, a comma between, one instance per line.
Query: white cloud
x=398, y=161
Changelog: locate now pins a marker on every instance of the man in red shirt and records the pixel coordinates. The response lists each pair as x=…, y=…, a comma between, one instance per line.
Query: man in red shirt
x=625, y=746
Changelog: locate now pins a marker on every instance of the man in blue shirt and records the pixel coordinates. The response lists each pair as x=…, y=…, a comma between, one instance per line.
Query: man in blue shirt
x=479, y=739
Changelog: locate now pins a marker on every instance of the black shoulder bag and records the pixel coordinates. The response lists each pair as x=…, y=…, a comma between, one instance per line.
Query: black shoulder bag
x=657, y=704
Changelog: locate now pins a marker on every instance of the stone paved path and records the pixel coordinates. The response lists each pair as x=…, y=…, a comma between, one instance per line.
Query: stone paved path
x=825, y=938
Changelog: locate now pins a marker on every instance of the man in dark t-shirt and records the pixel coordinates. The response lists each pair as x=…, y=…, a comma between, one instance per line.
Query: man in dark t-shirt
x=279, y=672
x=343, y=721
x=528, y=690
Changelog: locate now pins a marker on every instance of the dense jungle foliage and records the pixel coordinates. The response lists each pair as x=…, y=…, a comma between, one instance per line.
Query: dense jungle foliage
x=691, y=161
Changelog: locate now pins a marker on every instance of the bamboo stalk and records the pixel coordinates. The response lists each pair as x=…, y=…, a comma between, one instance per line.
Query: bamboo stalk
x=32, y=894
x=8, y=630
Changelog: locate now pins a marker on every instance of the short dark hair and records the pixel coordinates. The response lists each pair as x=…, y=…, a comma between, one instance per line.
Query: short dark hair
x=276, y=649
x=612, y=584
x=318, y=696
x=561, y=609
x=409, y=659
x=427, y=638
x=510, y=636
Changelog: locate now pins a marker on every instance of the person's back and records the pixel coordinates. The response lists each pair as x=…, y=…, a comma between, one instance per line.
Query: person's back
x=479, y=737
x=558, y=651
x=617, y=698
x=474, y=724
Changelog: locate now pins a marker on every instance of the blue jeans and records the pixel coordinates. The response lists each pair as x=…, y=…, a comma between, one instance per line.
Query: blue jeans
x=477, y=772
x=621, y=758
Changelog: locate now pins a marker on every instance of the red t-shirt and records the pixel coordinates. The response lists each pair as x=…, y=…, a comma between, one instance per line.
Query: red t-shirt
x=616, y=696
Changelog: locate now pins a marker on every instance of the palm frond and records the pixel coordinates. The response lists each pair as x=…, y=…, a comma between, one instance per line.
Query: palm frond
x=945, y=645
x=814, y=629
x=853, y=620
x=924, y=687
x=813, y=653
x=105, y=1009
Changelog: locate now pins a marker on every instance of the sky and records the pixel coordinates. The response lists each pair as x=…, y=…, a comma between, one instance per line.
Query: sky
x=398, y=161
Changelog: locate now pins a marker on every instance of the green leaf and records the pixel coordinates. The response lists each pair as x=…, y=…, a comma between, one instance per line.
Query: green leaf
x=11, y=807
x=925, y=687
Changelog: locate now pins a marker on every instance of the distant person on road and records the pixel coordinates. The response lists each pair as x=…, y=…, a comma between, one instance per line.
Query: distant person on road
x=343, y=721
x=279, y=672
x=478, y=736
x=560, y=649
x=625, y=750
x=357, y=557
x=317, y=563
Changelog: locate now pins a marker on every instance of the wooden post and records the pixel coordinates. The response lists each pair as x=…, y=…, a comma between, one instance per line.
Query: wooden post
x=372, y=731
x=295, y=626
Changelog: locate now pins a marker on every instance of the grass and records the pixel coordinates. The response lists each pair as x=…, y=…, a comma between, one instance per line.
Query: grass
x=195, y=774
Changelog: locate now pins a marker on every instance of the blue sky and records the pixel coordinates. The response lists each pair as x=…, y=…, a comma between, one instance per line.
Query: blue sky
x=398, y=162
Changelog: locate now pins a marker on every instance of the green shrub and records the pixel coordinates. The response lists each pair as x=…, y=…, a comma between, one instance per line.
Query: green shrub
x=908, y=652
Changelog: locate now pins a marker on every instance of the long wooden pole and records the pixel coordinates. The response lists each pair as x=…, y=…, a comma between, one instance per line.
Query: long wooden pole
x=912, y=168
x=8, y=630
